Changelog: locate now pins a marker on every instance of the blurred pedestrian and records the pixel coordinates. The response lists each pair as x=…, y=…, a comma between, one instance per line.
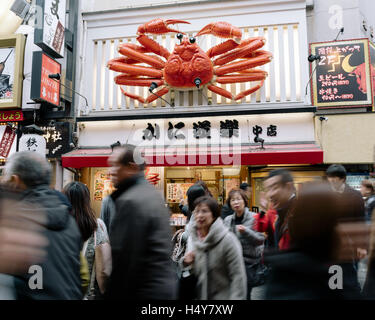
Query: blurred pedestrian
x=214, y=253
x=280, y=190
x=242, y=224
x=368, y=194
x=21, y=241
x=186, y=280
x=303, y=272
x=30, y=173
x=94, y=233
x=226, y=210
x=140, y=234
x=193, y=193
x=107, y=212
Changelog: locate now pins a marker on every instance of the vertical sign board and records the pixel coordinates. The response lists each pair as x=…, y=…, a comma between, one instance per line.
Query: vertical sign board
x=58, y=138
x=372, y=68
x=44, y=89
x=342, y=76
x=50, y=35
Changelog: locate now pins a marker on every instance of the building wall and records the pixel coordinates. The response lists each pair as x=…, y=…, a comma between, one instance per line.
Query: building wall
x=347, y=138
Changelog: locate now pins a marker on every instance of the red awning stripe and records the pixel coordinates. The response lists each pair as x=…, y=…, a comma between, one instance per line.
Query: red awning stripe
x=238, y=155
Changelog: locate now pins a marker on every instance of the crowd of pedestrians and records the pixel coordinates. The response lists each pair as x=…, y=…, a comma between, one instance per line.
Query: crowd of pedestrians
x=287, y=248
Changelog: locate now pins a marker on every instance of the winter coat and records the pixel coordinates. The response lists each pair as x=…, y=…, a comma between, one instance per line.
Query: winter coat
x=226, y=211
x=61, y=268
x=252, y=242
x=140, y=239
x=218, y=264
x=107, y=212
x=369, y=207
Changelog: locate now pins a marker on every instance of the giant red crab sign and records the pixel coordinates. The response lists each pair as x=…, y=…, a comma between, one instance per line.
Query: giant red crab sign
x=189, y=67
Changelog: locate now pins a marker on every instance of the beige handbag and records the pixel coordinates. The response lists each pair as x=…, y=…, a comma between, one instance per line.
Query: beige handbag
x=103, y=263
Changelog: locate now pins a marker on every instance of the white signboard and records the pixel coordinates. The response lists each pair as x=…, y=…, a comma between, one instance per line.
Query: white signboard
x=51, y=37
x=236, y=130
x=33, y=142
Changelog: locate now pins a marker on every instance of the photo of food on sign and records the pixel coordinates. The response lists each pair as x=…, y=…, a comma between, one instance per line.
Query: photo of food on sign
x=342, y=75
x=7, y=60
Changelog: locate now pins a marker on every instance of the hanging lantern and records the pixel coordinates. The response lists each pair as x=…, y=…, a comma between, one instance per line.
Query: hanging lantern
x=33, y=140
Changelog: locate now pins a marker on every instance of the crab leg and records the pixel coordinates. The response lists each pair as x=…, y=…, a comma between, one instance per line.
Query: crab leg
x=249, y=91
x=240, y=52
x=136, y=81
x=135, y=70
x=149, y=99
x=241, y=78
x=142, y=57
x=222, y=30
x=159, y=26
x=221, y=48
x=243, y=65
x=220, y=91
x=153, y=46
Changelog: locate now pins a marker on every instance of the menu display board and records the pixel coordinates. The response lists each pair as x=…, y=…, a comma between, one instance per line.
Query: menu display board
x=177, y=191
x=102, y=185
x=342, y=75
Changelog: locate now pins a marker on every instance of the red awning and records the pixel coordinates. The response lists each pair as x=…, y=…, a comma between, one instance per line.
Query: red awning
x=209, y=156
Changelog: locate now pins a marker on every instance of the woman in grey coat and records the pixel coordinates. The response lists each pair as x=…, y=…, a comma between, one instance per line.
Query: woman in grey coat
x=241, y=223
x=215, y=255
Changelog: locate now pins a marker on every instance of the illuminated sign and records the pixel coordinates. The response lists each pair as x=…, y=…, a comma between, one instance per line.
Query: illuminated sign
x=342, y=75
x=44, y=89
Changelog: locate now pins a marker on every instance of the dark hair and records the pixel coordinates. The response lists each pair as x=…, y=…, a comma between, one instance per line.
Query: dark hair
x=244, y=186
x=194, y=192
x=285, y=175
x=336, y=170
x=242, y=194
x=313, y=218
x=211, y=203
x=204, y=185
x=129, y=155
x=79, y=196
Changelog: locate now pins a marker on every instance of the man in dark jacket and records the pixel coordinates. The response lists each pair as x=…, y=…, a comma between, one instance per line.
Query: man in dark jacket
x=140, y=234
x=280, y=191
x=58, y=277
x=351, y=209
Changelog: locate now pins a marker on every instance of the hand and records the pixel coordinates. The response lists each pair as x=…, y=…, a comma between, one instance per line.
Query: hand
x=189, y=258
x=241, y=229
x=361, y=253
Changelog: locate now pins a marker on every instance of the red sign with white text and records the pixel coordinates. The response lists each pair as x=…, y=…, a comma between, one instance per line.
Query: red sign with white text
x=7, y=141
x=50, y=88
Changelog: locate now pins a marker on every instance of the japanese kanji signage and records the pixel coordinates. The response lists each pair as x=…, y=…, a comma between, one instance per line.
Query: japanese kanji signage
x=342, y=75
x=11, y=116
x=7, y=141
x=44, y=89
x=50, y=37
x=57, y=138
x=33, y=142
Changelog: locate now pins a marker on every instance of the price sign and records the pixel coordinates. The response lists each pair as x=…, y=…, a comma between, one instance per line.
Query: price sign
x=342, y=77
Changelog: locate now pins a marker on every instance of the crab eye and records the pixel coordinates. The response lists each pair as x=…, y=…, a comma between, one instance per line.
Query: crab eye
x=192, y=40
x=179, y=36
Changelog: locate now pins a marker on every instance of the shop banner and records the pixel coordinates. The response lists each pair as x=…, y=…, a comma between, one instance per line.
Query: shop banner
x=11, y=116
x=50, y=37
x=7, y=141
x=44, y=89
x=342, y=75
x=58, y=138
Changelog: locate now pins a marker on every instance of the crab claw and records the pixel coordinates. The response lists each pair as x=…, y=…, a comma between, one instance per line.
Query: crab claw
x=159, y=26
x=222, y=30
